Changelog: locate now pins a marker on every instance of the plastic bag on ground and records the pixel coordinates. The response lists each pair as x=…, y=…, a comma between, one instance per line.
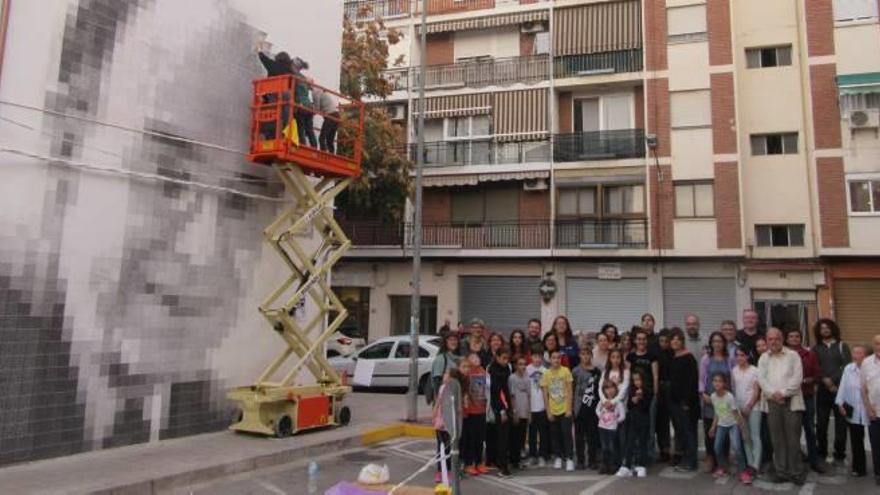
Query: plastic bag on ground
x=374, y=474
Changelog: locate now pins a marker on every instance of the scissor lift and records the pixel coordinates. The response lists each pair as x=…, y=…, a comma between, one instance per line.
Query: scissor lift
x=313, y=178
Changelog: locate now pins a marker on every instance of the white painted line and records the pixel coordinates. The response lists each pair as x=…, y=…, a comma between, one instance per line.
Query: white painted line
x=269, y=486
x=773, y=487
x=540, y=480
x=594, y=489
x=807, y=489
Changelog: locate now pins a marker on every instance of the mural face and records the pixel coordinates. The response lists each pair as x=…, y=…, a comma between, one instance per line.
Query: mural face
x=117, y=291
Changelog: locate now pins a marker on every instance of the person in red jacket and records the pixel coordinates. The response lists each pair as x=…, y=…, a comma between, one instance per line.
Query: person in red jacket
x=812, y=374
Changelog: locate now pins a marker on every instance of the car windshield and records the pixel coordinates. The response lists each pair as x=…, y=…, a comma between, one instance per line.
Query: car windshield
x=435, y=341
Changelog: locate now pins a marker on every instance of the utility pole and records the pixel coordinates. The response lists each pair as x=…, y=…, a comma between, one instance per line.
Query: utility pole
x=413, y=395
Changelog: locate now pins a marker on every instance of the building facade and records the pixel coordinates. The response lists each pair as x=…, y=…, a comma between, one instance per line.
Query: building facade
x=131, y=249
x=663, y=156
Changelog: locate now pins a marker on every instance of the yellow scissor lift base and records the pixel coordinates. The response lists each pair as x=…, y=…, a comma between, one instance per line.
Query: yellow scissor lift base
x=283, y=407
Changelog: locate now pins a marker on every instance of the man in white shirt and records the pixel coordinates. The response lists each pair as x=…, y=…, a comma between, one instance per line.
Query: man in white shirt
x=780, y=374
x=870, y=372
x=695, y=342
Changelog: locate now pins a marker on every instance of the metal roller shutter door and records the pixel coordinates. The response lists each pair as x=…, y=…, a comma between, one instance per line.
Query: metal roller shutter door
x=504, y=303
x=590, y=302
x=712, y=299
x=855, y=302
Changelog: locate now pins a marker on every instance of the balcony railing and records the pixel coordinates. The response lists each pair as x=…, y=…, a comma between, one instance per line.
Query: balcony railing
x=486, y=72
x=457, y=153
x=365, y=10
x=598, y=63
x=477, y=235
x=630, y=233
x=450, y=6
x=398, y=78
x=599, y=145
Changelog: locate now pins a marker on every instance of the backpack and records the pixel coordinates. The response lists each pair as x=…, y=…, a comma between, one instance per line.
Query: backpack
x=432, y=386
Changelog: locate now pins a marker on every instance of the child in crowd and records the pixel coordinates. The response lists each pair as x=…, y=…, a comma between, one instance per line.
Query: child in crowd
x=557, y=395
x=474, y=434
x=539, y=436
x=520, y=394
x=638, y=427
x=448, y=396
x=726, y=425
x=610, y=416
x=586, y=397
x=499, y=402
x=747, y=393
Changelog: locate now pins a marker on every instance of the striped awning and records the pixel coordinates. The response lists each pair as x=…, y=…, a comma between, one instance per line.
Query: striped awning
x=854, y=84
x=474, y=179
x=519, y=115
x=596, y=28
x=487, y=22
x=456, y=105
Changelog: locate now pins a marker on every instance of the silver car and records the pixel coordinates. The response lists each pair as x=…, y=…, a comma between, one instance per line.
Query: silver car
x=390, y=356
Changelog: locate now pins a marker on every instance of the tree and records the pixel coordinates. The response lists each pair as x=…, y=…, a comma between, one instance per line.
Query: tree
x=381, y=190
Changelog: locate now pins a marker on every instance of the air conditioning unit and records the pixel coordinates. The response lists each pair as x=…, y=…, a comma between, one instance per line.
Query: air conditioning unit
x=533, y=27
x=535, y=185
x=867, y=118
x=397, y=112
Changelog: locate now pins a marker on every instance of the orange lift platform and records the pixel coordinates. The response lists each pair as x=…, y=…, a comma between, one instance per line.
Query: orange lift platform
x=279, y=403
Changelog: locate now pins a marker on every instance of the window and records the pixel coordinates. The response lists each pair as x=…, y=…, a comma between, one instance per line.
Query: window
x=864, y=196
x=603, y=113
x=542, y=43
x=577, y=202
x=402, y=351
x=694, y=200
x=774, y=56
x=475, y=127
x=400, y=315
x=775, y=144
x=485, y=205
x=858, y=101
x=379, y=350
x=690, y=108
x=624, y=200
x=780, y=235
x=851, y=10
x=686, y=24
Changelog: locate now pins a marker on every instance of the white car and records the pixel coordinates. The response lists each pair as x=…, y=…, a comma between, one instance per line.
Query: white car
x=340, y=344
x=390, y=356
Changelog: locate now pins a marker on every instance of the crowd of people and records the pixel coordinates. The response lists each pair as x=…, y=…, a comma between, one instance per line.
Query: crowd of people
x=610, y=401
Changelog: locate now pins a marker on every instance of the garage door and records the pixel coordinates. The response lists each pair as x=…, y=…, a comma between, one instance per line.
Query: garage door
x=590, y=302
x=855, y=304
x=504, y=303
x=712, y=299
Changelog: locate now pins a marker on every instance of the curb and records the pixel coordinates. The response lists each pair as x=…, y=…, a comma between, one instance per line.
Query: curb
x=167, y=483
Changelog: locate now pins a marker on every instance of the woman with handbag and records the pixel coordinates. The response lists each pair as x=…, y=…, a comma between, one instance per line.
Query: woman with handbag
x=852, y=407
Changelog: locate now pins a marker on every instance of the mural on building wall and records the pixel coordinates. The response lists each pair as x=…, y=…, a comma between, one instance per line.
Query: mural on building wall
x=117, y=291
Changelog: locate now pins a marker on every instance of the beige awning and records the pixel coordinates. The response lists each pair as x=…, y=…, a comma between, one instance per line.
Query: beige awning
x=487, y=22
x=474, y=179
x=519, y=115
x=596, y=28
x=456, y=105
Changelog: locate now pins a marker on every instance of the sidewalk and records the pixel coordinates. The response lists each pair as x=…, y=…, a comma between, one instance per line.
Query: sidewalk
x=158, y=467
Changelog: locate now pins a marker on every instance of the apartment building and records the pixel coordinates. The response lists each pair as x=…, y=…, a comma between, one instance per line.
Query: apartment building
x=604, y=158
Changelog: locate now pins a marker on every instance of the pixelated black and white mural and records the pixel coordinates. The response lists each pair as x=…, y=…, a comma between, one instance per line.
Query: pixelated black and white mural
x=116, y=292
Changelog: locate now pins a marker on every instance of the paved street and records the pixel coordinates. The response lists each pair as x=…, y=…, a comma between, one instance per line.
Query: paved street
x=404, y=456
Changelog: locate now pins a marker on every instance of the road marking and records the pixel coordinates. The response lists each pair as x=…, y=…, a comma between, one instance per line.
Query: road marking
x=773, y=487
x=672, y=474
x=539, y=480
x=269, y=486
x=807, y=489
x=594, y=489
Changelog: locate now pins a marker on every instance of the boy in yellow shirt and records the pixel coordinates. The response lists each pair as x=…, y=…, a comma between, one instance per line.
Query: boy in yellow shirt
x=556, y=383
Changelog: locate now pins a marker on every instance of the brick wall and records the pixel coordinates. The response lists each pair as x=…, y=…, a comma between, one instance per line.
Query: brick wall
x=832, y=202
x=526, y=44
x=655, y=35
x=820, y=27
x=565, y=101
x=437, y=205
x=662, y=208
x=658, y=113
x=826, y=121
x=440, y=49
x=723, y=113
x=718, y=25
x=727, y=207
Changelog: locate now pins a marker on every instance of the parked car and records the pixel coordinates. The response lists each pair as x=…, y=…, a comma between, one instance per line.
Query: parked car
x=340, y=344
x=391, y=361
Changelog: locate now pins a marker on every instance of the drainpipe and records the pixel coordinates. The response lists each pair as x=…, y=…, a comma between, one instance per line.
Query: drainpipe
x=5, y=6
x=553, y=117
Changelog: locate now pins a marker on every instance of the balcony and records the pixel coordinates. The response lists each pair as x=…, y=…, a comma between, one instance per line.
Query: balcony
x=480, y=235
x=599, y=145
x=367, y=10
x=485, y=72
x=458, y=153
x=598, y=234
x=452, y=6
x=398, y=78
x=615, y=62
